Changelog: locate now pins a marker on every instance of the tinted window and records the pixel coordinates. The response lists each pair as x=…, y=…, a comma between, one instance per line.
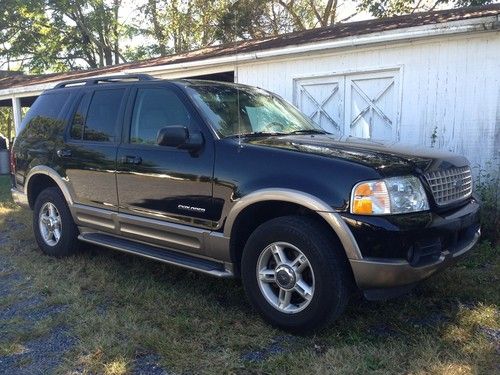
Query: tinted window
x=102, y=115
x=79, y=119
x=43, y=118
x=156, y=108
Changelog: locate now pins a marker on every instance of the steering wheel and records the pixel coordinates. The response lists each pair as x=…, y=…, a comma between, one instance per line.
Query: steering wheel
x=273, y=127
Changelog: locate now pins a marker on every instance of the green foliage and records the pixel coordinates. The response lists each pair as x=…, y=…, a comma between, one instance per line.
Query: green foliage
x=487, y=185
x=388, y=8
x=5, y=189
x=58, y=35
x=244, y=19
x=5, y=120
x=251, y=19
x=484, y=254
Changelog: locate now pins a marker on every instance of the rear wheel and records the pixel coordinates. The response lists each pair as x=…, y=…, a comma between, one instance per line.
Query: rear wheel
x=55, y=231
x=295, y=273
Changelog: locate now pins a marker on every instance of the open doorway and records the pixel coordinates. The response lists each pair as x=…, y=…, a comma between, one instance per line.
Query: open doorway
x=222, y=77
x=7, y=127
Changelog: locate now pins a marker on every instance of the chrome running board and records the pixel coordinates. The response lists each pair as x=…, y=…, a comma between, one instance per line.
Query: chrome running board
x=156, y=253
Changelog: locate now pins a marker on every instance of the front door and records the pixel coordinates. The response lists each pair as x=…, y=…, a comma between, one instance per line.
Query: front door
x=160, y=184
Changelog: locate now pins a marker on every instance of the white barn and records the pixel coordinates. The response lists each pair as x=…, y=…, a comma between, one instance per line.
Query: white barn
x=430, y=79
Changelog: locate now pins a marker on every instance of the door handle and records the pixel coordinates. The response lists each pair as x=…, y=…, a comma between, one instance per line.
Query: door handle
x=136, y=160
x=63, y=153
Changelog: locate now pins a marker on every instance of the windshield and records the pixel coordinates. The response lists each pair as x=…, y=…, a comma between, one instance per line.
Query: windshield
x=252, y=112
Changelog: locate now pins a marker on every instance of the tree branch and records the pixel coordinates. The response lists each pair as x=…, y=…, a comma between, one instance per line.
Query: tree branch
x=298, y=22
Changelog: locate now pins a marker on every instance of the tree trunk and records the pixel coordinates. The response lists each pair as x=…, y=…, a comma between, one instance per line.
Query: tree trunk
x=116, y=46
x=158, y=30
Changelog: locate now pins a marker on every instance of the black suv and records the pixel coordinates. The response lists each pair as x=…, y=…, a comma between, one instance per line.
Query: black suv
x=231, y=180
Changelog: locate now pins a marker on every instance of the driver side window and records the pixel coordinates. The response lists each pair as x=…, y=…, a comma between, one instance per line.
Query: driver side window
x=154, y=109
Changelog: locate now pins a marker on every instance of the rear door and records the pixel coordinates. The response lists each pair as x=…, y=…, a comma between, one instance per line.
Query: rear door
x=160, y=183
x=89, y=154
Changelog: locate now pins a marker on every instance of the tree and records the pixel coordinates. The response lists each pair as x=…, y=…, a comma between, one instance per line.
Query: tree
x=388, y=8
x=93, y=31
x=180, y=25
x=23, y=25
x=324, y=12
x=247, y=19
x=58, y=35
x=6, y=122
x=250, y=19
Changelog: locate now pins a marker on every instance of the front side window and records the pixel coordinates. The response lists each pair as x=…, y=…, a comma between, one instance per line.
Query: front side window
x=154, y=109
x=102, y=115
x=236, y=110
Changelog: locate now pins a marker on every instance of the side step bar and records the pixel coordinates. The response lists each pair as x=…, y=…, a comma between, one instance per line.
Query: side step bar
x=152, y=252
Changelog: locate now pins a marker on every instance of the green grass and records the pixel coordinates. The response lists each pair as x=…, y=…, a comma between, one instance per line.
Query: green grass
x=119, y=307
x=5, y=189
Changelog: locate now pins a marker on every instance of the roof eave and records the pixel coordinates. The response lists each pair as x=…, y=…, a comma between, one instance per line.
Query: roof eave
x=475, y=25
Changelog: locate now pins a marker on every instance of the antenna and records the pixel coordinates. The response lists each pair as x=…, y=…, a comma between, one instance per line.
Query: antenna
x=236, y=73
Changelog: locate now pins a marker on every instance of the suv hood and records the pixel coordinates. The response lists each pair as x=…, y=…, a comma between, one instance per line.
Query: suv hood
x=389, y=159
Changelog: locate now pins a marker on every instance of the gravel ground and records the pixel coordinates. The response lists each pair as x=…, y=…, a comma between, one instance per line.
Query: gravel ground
x=40, y=355
x=279, y=345
x=21, y=309
x=148, y=365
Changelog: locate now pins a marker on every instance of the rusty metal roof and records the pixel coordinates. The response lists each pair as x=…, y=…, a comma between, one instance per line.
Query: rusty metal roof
x=338, y=31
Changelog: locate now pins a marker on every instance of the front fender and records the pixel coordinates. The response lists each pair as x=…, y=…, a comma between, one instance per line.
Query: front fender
x=303, y=199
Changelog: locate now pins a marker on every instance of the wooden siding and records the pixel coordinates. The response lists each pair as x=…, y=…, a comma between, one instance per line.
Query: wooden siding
x=448, y=85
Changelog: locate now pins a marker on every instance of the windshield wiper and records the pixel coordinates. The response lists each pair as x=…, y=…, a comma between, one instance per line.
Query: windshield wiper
x=257, y=134
x=308, y=131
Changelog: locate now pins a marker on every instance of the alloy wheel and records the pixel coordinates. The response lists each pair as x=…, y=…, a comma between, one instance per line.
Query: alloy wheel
x=285, y=277
x=49, y=222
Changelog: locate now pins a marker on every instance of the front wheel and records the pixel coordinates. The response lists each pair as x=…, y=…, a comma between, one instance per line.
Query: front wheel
x=295, y=273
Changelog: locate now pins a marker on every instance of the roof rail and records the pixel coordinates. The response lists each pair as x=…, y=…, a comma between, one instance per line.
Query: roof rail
x=105, y=79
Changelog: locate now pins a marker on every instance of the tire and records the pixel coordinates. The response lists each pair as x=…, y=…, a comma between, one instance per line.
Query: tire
x=324, y=282
x=67, y=242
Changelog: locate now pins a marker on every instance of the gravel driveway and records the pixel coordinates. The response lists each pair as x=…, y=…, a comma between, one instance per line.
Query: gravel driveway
x=25, y=313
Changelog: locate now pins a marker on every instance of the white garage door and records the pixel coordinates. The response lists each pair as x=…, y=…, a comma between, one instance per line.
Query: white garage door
x=364, y=104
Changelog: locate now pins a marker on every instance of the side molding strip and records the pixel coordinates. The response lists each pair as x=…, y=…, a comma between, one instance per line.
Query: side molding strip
x=307, y=200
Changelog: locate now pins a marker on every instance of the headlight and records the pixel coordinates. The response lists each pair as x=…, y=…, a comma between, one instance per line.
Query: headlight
x=395, y=195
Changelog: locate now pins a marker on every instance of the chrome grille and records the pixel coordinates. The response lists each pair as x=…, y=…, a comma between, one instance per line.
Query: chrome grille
x=450, y=185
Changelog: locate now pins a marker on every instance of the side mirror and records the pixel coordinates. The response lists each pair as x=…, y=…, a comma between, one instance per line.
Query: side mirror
x=178, y=136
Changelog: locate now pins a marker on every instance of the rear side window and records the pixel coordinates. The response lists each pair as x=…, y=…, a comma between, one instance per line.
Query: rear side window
x=76, y=131
x=43, y=120
x=98, y=121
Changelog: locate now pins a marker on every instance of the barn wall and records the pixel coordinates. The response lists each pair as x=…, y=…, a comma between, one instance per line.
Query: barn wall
x=450, y=86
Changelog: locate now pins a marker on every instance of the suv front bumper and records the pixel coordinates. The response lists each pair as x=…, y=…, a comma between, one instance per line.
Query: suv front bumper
x=383, y=277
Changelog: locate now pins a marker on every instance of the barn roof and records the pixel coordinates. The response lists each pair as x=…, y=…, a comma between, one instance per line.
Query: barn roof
x=338, y=31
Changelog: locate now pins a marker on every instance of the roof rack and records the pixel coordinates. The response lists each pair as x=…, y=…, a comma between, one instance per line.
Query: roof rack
x=105, y=79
